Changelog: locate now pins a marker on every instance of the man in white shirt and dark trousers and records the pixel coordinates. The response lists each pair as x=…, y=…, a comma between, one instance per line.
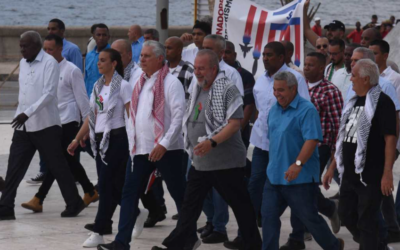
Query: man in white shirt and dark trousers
x=155, y=140
x=38, y=127
x=73, y=104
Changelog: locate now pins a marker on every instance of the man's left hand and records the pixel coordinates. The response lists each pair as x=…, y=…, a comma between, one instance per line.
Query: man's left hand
x=202, y=148
x=387, y=183
x=292, y=173
x=157, y=153
x=19, y=121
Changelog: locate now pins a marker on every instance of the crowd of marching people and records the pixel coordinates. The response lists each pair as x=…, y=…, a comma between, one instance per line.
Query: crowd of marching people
x=150, y=113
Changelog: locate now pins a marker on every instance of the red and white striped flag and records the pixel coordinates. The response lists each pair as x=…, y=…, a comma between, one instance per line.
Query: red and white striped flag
x=250, y=27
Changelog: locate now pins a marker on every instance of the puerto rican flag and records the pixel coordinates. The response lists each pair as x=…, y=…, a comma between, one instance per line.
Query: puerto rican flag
x=250, y=27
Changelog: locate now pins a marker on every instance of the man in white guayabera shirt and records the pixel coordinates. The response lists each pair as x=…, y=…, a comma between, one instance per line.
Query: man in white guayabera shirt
x=38, y=127
x=155, y=140
x=73, y=104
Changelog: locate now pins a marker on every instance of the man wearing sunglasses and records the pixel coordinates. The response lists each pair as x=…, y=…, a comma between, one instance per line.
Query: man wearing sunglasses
x=322, y=44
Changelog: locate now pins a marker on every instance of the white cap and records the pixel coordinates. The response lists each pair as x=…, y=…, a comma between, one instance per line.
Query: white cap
x=317, y=19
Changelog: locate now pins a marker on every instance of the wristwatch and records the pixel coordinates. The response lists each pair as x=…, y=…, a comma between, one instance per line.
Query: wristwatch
x=298, y=163
x=213, y=143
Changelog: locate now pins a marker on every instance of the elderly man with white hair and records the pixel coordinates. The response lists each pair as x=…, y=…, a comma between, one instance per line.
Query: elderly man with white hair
x=37, y=126
x=155, y=140
x=365, y=154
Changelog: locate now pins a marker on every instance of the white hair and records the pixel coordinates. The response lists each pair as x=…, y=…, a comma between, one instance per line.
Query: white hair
x=219, y=40
x=367, y=53
x=158, y=48
x=286, y=76
x=34, y=35
x=367, y=67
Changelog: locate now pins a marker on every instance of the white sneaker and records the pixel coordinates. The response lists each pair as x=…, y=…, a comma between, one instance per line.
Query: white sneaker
x=137, y=231
x=93, y=241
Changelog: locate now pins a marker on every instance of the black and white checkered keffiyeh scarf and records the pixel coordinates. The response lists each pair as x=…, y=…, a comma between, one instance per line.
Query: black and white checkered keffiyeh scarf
x=364, y=127
x=223, y=100
x=112, y=100
x=128, y=71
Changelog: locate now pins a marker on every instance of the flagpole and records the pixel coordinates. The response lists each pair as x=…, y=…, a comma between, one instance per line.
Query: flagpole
x=195, y=12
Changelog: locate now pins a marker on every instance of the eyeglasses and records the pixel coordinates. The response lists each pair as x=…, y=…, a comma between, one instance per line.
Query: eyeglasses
x=322, y=46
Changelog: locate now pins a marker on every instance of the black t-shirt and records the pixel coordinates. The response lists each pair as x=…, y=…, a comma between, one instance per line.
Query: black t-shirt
x=383, y=123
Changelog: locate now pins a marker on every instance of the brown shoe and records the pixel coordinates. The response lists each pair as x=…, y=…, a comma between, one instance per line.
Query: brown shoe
x=87, y=198
x=341, y=243
x=33, y=205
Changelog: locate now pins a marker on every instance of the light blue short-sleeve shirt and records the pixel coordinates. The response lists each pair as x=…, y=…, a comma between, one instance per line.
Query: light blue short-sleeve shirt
x=288, y=130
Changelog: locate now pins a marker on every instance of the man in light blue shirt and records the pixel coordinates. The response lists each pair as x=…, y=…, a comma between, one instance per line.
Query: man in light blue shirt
x=293, y=169
x=92, y=74
x=70, y=51
x=135, y=35
x=274, y=62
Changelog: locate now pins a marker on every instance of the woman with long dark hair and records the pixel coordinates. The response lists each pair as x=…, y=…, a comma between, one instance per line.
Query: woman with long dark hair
x=109, y=142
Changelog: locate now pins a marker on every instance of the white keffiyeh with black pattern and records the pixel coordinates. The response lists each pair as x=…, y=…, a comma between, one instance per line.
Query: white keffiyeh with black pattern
x=115, y=87
x=363, y=130
x=223, y=100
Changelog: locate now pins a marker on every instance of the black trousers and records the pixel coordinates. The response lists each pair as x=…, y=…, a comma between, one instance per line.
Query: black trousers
x=358, y=209
x=48, y=143
x=69, y=132
x=231, y=185
x=111, y=178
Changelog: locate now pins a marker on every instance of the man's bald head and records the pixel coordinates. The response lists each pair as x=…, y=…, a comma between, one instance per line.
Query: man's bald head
x=134, y=32
x=370, y=35
x=125, y=49
x=322, y=44
x=173, y=49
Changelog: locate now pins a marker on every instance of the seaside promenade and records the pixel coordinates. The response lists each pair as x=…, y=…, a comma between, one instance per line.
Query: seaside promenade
x=48, y=231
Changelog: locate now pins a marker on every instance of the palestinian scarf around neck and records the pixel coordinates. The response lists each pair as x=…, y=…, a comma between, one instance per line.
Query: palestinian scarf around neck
x=223, y=100
x=157, y=110
x=363, y=130
x=115, y=87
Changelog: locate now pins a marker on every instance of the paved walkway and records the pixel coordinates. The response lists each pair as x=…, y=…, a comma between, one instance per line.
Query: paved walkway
x=48, y=231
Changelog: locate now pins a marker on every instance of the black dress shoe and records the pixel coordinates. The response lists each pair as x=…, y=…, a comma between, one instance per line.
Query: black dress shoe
x=90, y=227
x=293, y=245
x=175, y=216
x=7, y=213
x=393, y=237
x=208, y=229
x=164, y=209
x=2, y=184
x=236, y=244
x=215, y=237
x=152, y=221
x=74, y=211
x=158, y=248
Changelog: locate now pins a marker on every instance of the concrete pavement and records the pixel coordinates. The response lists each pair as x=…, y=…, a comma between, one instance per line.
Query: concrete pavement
x=48, y=231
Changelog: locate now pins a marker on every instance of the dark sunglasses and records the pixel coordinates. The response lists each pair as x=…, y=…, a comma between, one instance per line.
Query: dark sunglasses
x=324, y=46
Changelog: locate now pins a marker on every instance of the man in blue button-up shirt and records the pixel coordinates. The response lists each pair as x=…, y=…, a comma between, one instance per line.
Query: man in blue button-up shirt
x=70, y=51
x=92, y=74
x=293, y=169
x=135, y=35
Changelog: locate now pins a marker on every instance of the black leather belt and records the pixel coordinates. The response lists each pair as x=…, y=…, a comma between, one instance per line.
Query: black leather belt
x=99, y=136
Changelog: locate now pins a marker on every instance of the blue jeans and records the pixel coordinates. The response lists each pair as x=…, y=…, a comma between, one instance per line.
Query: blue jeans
x=216, y=210
x=258, y=176
x=302, y=200
x=171, y=170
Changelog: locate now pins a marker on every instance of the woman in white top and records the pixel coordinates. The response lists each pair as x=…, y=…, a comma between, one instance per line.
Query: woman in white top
x=106, y=127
